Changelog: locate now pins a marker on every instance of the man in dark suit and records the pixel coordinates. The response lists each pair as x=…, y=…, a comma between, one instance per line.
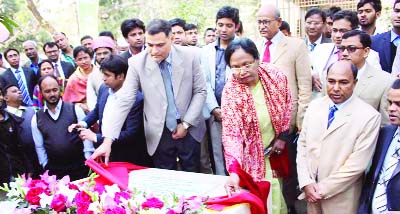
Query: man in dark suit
x=133, y=32
x=131, y=145
x=315, y=23
x=62, y=69
x=23, y=77
x=386, y=43
x=381, y=191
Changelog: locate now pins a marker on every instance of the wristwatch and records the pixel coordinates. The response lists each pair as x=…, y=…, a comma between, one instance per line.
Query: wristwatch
x=185, y=125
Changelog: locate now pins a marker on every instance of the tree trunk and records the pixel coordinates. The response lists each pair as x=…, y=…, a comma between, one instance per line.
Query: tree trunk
x=43, y=23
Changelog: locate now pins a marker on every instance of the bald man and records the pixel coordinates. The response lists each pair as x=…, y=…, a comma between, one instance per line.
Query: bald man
x=336, y=144
x=31, y=51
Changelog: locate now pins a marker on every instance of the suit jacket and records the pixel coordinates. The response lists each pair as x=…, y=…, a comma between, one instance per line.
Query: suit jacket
x=208, y=63
x=126, y=55
x=386, y=135
x=381, y=44
x=323, y=40
x=68, y=68
x=396, y=63
x=292, y=58
x=8, y=78
x=130, y=145
x=336, y=158
x=144, y=73
x=372, y=87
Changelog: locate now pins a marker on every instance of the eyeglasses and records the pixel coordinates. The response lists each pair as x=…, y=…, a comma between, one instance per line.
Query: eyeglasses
x=265, y=22
x=350, y=48
x=245, y=67
x=342, y=31
x=313, y=23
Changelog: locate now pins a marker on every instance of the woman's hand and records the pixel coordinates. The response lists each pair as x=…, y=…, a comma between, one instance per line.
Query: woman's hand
x=278, y=146
x=232, y=184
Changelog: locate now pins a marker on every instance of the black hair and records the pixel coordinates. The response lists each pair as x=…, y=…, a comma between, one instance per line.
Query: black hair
x=228, y=12
x=50, y=45
x=4, y=90
x=241, y=43
x=210, y=28
x=396, y=84
x=376, y=4
x=1, y=56
x=115, y=64
x=348, y=15
x=365, y=39
x=332, y=10
x=285, y=26
x=240, y=29
x=8, y=50
x=190, y=27
x=354, y=69
x=45, y=77
x=45, y=61
x=395, y=2
x=177, y=21
x=84, y=49
x=86, y=37
x=129, y=24
x=107, y=33
x=316, y=11
x=158, y=26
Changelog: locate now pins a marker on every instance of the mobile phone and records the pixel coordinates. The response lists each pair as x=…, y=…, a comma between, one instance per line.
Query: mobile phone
x=267, y=151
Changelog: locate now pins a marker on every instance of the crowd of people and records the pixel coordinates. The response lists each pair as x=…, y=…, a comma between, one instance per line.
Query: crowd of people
x=317, y=116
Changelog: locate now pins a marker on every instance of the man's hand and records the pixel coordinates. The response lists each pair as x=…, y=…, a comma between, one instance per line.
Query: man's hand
x=87, y=134
x=316, y=82
x=217, y=114
x=232, y=184
x=179, y=132
x=278, y=146
x=312, y=193
x=74, y=126
x=104, y=150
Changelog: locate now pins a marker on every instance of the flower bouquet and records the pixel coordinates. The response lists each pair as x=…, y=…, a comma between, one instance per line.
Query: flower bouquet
x=49, y=195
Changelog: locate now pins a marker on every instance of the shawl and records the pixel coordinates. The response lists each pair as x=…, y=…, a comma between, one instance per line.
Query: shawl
x=241, y=135
x=75, y=91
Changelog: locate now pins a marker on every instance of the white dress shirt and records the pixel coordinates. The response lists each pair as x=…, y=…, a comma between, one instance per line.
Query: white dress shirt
x=272, y=48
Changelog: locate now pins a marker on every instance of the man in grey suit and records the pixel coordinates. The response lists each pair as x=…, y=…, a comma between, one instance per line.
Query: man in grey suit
x=174, y=93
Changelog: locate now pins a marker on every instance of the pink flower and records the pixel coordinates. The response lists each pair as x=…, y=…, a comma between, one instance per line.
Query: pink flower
x=58, y=203
x=118, y=196
x=33, y=195
x=73, y=186
x=152, y=203
x=99, y=188
x=82, y=201
x=37, y=183
x=171, y=211
x=116, y=210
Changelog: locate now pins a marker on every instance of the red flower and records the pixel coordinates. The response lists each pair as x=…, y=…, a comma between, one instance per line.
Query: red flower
x=33, y=195
x=152, y=203
x=82, y=200
x=73, y=186
x=38, y=183
x=58, y=203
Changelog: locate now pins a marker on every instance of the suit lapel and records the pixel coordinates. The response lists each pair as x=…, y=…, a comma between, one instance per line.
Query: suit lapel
x=363, y=80
x=177, y=71
x=211, y=64
x=386, y=46
x=153, y=72
x=280, y=50
x=386, y=143
x=341, y=117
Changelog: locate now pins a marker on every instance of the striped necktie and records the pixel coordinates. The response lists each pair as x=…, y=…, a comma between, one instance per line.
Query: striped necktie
x=331, y=115
x=26, y=98
x=385, y=175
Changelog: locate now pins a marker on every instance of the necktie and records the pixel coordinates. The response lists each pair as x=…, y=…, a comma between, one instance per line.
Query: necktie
x=56, y=71
x=385, y=175
x=312, y=46
x=170, y=119
x=331, y=115
x=396, y=41
x=339, y=55
x=26, y=98
x=267, y=53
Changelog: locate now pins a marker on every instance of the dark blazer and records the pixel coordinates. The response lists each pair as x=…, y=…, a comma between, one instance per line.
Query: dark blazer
x=8, y=78
x=381, y=44
x=68, y=69
x=131, y=145
x=393, y=187
x=126, y=55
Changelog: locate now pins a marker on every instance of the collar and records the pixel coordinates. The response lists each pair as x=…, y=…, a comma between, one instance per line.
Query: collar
x=58, y=107
x=340, y=105
x=218, y=42
x=393, y=35
x=169, y=58
x=319, y=40
x=15, y=109
x=277, y=38
x=39, y=61
x=361, y=71
x=14, y=70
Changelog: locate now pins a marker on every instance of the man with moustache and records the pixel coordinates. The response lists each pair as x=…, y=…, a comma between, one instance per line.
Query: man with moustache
x=178, y=31
x=62, y=69
x=67, y=50
x=368, y=11
x=31, y=51
x=59, y=151
x=315, y=23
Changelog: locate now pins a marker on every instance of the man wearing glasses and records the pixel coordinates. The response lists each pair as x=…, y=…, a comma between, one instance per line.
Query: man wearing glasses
x=325, y=55
x=315, y=23
x=373, y=83
x=291, y=56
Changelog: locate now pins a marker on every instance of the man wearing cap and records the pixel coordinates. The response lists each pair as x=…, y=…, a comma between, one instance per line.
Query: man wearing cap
x=102, y=47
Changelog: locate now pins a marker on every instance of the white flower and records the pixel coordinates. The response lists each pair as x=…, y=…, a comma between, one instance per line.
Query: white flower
x=45, y=200
x=69, y=193
x=8, y=207
x=95, y=207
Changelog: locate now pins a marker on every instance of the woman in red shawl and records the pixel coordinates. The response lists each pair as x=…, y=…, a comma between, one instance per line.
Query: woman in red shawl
x=256, y=108
x=75, y=91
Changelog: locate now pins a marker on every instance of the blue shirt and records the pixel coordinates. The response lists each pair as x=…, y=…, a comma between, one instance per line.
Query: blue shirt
x=35, y=67
x=394, y=38
x=220, y=68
